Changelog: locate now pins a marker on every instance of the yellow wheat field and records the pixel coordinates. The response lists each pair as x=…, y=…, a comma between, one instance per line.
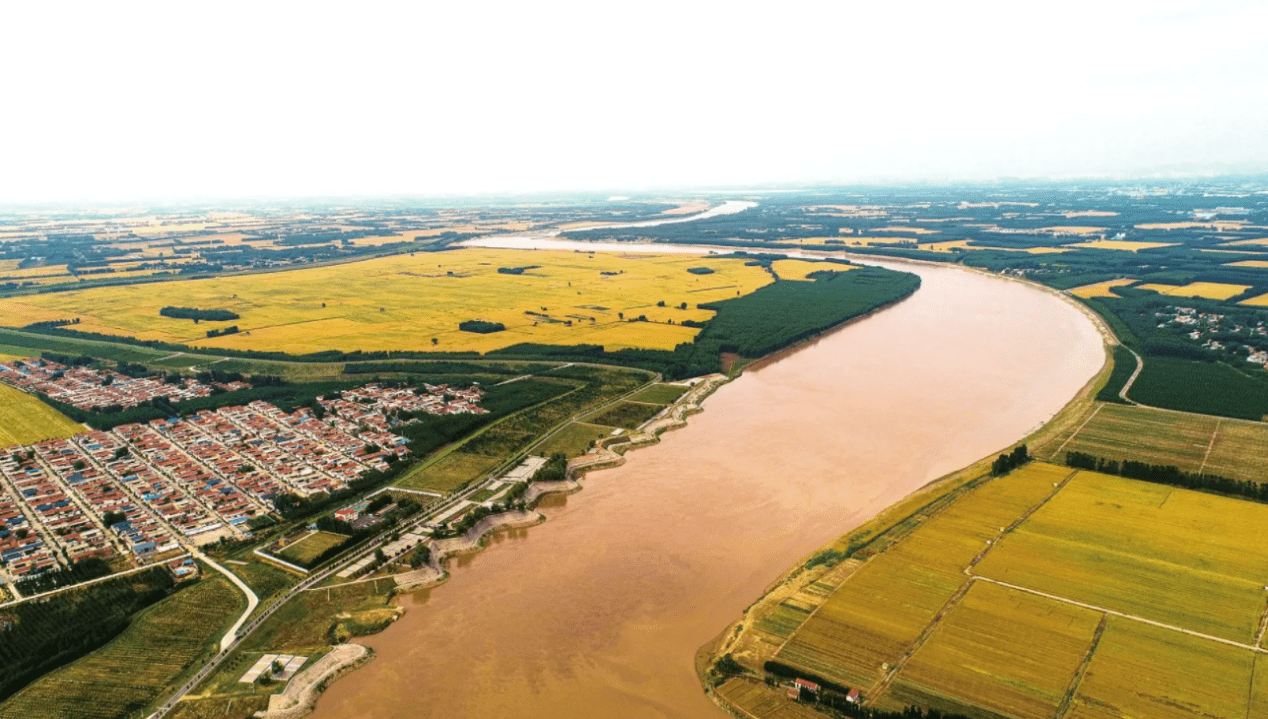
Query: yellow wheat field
x=1261, y=264
x=403, y=302
x=1208, y=290
x=1101, y=289
x=26, y=420
x=951, y=245
x=1126, y=245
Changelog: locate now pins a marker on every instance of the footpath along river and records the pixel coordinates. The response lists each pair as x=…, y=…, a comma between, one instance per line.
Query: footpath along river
x=599, y=611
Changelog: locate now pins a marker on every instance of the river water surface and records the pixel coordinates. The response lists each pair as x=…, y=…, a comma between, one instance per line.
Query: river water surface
x=599, y=611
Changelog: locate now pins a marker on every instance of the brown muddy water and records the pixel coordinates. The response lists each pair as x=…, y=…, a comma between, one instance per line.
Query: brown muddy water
x=599, y=611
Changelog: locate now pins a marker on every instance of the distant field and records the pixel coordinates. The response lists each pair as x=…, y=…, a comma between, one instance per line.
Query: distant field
x=1249, y=263
x=309, y=548
x=1209, y=290
x=144, y=662
x=1257, y=301
x=1101, y=289
x=950, y=245
x=992, y=606
x=1125, y=245
x=405, y=301
x=24, y=419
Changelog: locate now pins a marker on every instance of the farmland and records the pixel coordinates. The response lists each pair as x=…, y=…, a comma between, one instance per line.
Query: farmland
x=309, y=547
x=574, y=439
x=627, y=415
x=404, y=302
x=26, y=420
x=140, y=665
x=1101, y=289
x=1195, y=443
x=1209, y=290
x=1045, y=593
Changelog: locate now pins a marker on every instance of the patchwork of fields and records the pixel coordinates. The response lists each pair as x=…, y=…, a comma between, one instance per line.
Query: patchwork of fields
x=1232, y=448
x=1053, y=593
x=416, y=302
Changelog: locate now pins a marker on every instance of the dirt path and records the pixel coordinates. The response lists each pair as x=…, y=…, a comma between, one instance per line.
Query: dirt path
x=1124, y=615
x=1077, y=679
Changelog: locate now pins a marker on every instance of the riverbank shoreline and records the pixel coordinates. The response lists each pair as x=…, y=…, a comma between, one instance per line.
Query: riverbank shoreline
x=798, y=575
x=613, y=450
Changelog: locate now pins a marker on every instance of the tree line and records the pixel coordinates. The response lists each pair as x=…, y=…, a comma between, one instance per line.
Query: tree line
x=1170, y=475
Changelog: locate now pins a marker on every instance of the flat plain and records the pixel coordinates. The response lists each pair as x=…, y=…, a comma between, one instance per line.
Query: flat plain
x=404, y=302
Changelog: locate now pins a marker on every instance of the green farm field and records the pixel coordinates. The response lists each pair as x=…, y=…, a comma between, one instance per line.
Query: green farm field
x=310, y=547
x=574, y=439
x=627, y=415
x=1227, y=447
x=661, y=394
x=139, y=666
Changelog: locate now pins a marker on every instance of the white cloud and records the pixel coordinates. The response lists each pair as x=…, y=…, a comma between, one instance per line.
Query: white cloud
x=118, y=100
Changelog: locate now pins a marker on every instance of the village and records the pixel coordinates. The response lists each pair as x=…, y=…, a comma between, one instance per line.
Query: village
x=144, y=493
x=1202, y=326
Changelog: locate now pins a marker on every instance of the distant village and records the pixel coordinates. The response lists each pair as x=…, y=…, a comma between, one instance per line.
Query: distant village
x=141, y=492
x=1202, y=326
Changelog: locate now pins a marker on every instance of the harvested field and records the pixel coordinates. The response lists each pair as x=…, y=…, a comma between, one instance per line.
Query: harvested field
x=1208, y=290
x=1183, y=558
x=24, y=419
x=1010, y=652
x=404, y=302
x=1101, y=289
x=1257, y=301
x=1261, y=264
x=1144, y=671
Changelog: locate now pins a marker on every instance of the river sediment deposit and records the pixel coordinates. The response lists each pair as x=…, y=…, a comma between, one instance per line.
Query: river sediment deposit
x=600, y=610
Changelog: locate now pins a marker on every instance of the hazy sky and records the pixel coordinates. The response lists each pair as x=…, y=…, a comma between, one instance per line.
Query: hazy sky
x=117, y=100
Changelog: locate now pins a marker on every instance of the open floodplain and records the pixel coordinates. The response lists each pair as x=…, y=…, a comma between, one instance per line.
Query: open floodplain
x=1048, y=592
